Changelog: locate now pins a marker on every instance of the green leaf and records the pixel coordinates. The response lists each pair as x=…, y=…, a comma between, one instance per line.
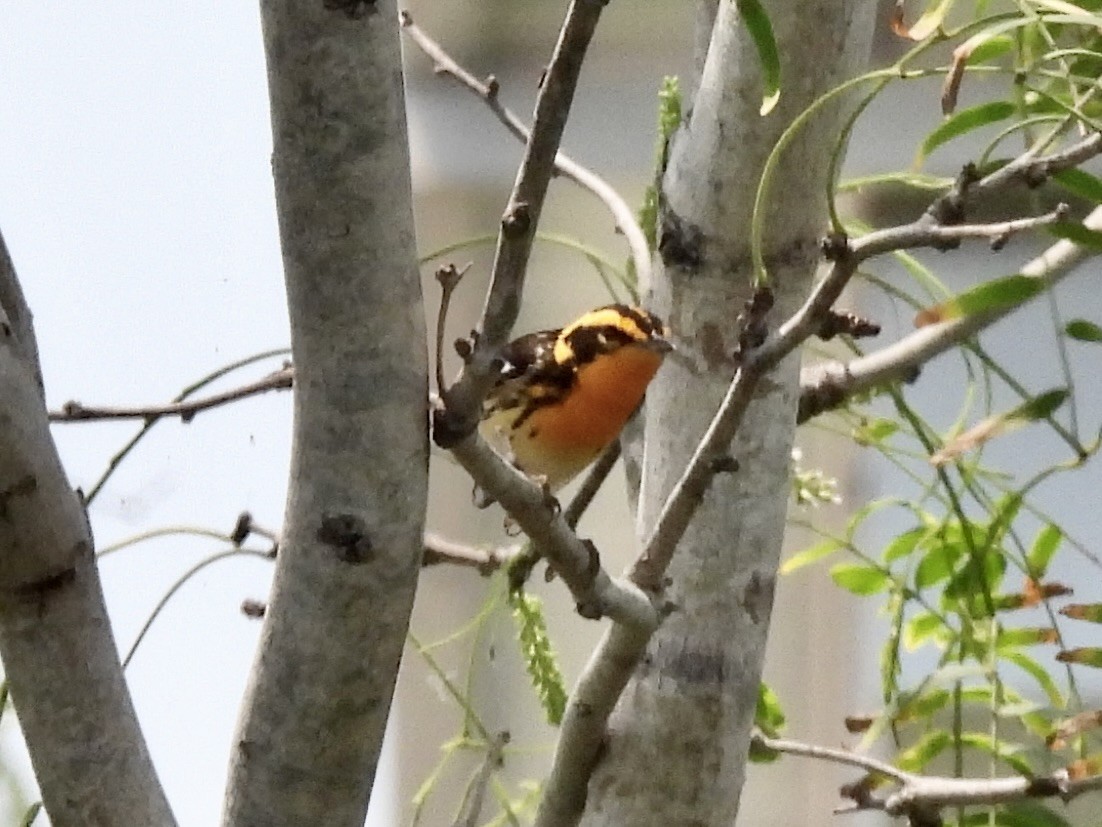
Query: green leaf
x=1005, y=751
x=904, y=544
x=990, y=49
x=810, y=555
x=859, y=578
x=925, y=750
x=930, y=21
x=963, y=122
x=1030, y=636
x=923, y=706
x=761, y=31
x=1039, y=407
x=1038, y=673
x=1025, y=814
x=971, y=582
x=769, y=718
x=1074, y=231
x=921, y=628
x=768, y=715
x=539, y=658
x=874, y=431
x=913, y=180
x=1083, y=330
x=1080, y=183
x=1086, y=655
x=991, y=296
x=936, y=565
x=1044, y=546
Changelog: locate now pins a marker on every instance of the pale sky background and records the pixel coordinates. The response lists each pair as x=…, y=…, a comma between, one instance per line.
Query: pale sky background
x=136, y=200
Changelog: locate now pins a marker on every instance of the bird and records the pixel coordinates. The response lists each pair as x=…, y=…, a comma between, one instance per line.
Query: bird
x=563, y=395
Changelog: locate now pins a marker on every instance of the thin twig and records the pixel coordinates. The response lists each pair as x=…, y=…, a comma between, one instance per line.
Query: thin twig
x=190, y=390
x=186, y=410
x=488, y=91
x=921, y=233
x=574, y=560
x=180, y=581
x=471, y=810
x=682, y=501
x=826, y=386
x=928, y=792
x=439, y=550
x=463, y=400
x=592, y=484
x=836, y=756
x=611, y=665
x=448, y=276
x=1033, y=169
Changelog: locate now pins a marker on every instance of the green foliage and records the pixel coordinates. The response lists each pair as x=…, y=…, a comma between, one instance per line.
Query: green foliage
x=964, y=122
x=966, y=571
x=539, y=657
x=1083, y=330
x=998, y=294
x=761, y=32
x=669, y=120
x=1083, y=236
x=770, y=719
x=32, y=813
x=812, y=486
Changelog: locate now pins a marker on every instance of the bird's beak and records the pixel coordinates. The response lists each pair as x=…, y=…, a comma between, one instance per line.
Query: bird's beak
x=659, y=344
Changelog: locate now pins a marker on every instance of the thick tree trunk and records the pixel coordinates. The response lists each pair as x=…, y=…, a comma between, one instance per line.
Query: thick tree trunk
x=58, y=650
x=685, y=717
x=309, y=740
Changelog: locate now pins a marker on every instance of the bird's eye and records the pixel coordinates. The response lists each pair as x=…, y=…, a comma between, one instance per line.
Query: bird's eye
x=602, y=340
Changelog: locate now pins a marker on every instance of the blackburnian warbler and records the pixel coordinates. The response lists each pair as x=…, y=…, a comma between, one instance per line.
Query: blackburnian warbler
x=563, y=395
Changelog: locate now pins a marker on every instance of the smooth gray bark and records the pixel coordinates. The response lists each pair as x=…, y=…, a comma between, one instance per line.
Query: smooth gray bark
x=58, y=650
x=308, y=743
x=687, y=712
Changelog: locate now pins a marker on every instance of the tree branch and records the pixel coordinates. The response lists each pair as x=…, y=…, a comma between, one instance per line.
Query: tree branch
x=622, y=214
x=440, y=550
x=686, y=495
x=925, y=793
x=611, y=665
x=827, y=385
x=461, y=410
x=308, y=741
x=575, y=561
x=76, y=412
x=56, y=642
x=20, y=320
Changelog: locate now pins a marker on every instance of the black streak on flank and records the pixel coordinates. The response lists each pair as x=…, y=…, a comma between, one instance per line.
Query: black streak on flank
x=348, y=535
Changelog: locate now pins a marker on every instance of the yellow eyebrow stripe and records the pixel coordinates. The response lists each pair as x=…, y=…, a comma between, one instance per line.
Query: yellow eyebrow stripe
x=605, y=317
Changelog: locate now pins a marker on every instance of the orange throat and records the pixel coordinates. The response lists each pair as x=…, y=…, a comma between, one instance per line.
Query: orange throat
x=559, y=440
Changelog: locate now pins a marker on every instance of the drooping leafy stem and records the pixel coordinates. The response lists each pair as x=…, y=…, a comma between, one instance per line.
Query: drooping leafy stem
x=897, y=71
x=607, y=270
x=539, y=656
x=669, y=121
x=180, y=582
